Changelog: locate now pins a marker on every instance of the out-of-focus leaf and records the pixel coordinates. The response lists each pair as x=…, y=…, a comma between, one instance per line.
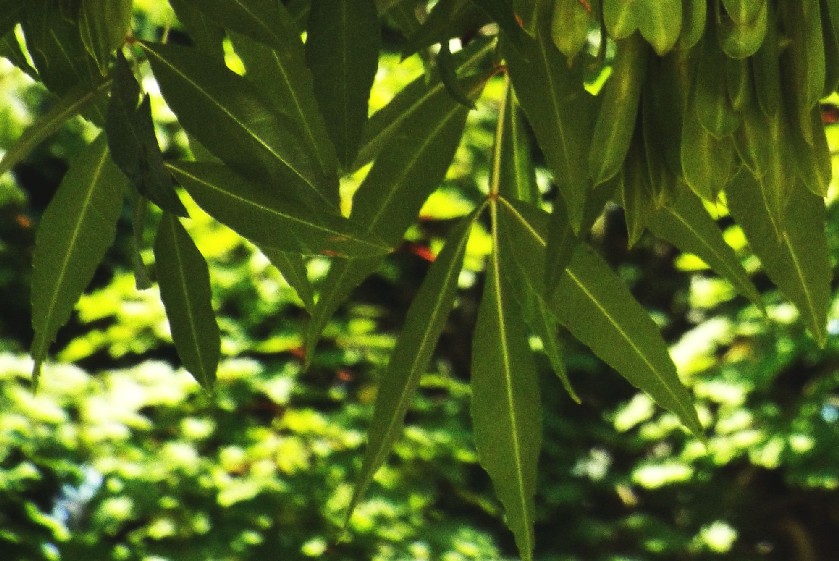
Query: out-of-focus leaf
x=77, y=228
x=103, y=25
x=69, y=105
x=227, y=115
x=207, y=35
x=409, y=168
x=797, y=259
x=448, y=75
x=266, y=21
x=133, y=143
x=559, y=111
x=292, y=267
x=12, y=50
x=425, y=321
x=502, y=13
x=139, y=210
x=659, y=21
x=10, y=11
x=597, y=308
x=448, y=19
x=185, y=290
x=342, y=49
x=506, y=407
x=412, y=98
x=270, y=220
x=686, y=224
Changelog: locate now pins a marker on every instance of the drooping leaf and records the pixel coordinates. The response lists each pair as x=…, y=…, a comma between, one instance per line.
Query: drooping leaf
x=292, y=267
x=133, y=144
x=207, y=35
x=448, y=75
x=139, y=211
x=408, y=169
x=686, y=224
x=265, y=21
x=270, y=220
x=185, y=290
x=797, y=258
x=506, y=407
x=517, y=172
x=103, y=25
x=597, y=308
x=424, y=323
x=659, y=21
x=77, y=228
x=70, y=104
x=226, y=114
x=559, y=111
x=411, y=99
x=570, y=25
x=342, y=49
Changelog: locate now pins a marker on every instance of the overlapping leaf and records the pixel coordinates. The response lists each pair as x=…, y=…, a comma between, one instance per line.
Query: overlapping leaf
x=225, y=113
x=185, y=290
x=424, y=323
x=797, y=258
x=270, y=220
x=597, y=308
x=103, y=25
x=207, y=35
x=77, y=228
x=292, y=267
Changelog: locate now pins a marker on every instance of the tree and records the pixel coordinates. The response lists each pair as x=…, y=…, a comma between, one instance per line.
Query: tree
x=705, y=104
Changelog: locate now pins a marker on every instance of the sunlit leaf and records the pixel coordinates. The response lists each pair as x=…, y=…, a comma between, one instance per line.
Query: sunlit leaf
x=225, y=113
x=270, y=220
x=797, y=260
x=506, y=407
x=77, y=228
x=185, y=290
x=103, y=25
x=424, y=323
x=342, y=49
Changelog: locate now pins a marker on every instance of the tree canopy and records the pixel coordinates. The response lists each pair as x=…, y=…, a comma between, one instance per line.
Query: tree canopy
x=677, y=111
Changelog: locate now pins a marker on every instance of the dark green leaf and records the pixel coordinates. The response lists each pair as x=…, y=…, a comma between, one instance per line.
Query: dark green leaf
x=270, y=220
x=292, y=267
x=597, y=308
x=77, y=228
x=506, y=408
x=448, y=75
x=12, y=50
x=133, y=143
x=342, y=49
x=207, y=35
x=70, y=104
x=687, y=225
x=103, y=25
x=425, y=321
x=225, y=113
x=517, y=173
x=797, y=259
x=448, y=19
x=502, y=12
x=185, y=290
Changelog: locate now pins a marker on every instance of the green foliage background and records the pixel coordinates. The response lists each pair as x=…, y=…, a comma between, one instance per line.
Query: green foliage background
x=121, y=456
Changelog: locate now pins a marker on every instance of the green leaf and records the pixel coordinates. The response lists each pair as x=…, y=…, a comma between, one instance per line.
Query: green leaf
x=570, y=24
x=517, y=172
x=266, y=21
x=12, y=50
x=506, y=408
x=207, y=35
x=502, y=13
x=133, y=143
x=70, y=104
x=424, y=323
x=659, y=21
x=77, y=228
x=411, y=99
x=10, y=11
x=597, y=308
x=342, y=49
x=408, y=169
x=448, y=18
x=103, y=25
x=687, y=225
x=448, y=75
x=292, y=267
x=270, y=220
x=286, y=84
x=185, y=290
x=559, y=111
x=797, y=260
x=140, y=205
x=226, y=114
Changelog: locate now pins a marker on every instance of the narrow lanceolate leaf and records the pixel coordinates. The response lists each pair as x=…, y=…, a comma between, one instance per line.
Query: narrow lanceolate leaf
x=517, y=173
x=263, y=20
x=227, y=115
x=69, y=105
x=342, y=49
x=687, y=225
x=506, y=409
x=425, y=321
x=207, y=35
x=559, y=110
x=185, y=290
x=597, y=308
x=103, y=25
x=292, y=266
x=9, y=14
x=797, y=258
x=270, y=220
x=409, y=168
x=77, y=228
x=133, y=143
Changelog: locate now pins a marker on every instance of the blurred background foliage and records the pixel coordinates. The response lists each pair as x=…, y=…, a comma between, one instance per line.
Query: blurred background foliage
x=120, y=456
